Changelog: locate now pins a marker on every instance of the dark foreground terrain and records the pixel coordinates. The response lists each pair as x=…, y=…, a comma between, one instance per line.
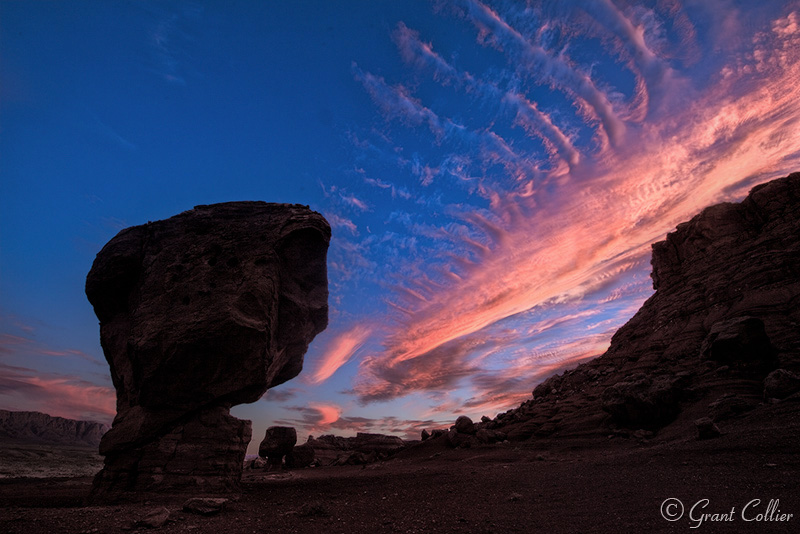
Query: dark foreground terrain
x=529, y=487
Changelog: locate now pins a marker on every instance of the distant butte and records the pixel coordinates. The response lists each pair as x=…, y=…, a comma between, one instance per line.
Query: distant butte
x=200, y=312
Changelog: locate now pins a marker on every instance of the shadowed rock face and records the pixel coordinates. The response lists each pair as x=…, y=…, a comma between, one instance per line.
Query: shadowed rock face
x=200, y=312
x=277, y=443
x=725, y=314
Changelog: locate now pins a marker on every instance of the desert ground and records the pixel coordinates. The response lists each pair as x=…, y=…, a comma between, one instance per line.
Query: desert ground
x=533, y=486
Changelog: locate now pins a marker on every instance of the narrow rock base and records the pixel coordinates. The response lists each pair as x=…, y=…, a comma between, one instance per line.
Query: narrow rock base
x=203, y=454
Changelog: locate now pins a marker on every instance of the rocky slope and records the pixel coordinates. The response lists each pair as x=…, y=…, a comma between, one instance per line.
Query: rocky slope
x=200, y=312
x=720, y=336
x=36, y=427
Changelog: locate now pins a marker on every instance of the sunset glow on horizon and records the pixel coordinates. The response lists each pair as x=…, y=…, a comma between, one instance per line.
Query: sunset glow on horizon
x=494, y=173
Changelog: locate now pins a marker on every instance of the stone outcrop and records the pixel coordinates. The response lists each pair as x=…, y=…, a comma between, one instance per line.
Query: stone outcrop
x=278, y=442
x=200, y=312
x=301, y=456
x=780, y=384
x=724, y=315
x=361, y=449
x=38, y=427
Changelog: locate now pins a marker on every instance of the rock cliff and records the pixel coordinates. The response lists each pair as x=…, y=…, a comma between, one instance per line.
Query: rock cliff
x=200, y=312
x=725, y=315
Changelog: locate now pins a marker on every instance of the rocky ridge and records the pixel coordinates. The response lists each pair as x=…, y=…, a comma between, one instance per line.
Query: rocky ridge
x=38, y=427
x=719, y=336
x=362, y=449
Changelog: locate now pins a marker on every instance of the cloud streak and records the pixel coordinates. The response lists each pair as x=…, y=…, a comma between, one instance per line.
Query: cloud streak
x=67, y=396
x=338, y=352
x=576, y=237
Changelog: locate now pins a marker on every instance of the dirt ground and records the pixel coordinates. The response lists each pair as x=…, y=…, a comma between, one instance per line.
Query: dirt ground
x=619, y=487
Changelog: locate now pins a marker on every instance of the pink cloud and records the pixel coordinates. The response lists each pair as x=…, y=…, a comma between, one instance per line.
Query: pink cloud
x=583, y=240
x=354, y=201
x=58, y=395
x=339, y=351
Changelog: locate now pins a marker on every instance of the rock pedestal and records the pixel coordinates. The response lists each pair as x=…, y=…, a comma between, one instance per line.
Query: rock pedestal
x=198, y=313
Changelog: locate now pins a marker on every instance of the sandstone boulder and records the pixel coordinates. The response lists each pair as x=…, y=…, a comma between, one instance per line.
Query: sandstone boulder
x=205, y=505
x=706, y=429
x=301, y=456
x=329, y=449
x=277, y=443
x=780, y=384
x=464, y=425
x=200, y=312
x=642, y=402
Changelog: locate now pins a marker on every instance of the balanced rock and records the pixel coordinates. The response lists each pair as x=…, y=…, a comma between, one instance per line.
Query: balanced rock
x=277, y=443
x=200, y=312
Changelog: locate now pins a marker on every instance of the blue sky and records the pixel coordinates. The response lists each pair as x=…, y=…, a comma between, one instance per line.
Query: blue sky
x=494, y=173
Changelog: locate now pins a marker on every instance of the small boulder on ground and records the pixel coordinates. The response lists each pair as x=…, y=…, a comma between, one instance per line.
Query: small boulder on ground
x=706, y=429
x=780, y=384
x=205, y=505
x=154, y=519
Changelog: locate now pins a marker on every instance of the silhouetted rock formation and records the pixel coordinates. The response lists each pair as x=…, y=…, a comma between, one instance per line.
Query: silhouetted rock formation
x=301, y=456
x=362, y=449
x=38, y=427
x=200, y=312
x=724, y=315
x=278, y=442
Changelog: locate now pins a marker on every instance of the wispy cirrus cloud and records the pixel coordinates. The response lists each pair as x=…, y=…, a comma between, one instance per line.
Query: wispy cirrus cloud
x=538, y=63
x=339, y=351
x=569, y=240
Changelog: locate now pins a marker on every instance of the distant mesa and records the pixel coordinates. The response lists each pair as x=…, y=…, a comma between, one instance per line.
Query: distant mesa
x=198, y=313
x=36, y=427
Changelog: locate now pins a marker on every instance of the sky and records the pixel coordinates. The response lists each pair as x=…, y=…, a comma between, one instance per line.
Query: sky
x=494, y=173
